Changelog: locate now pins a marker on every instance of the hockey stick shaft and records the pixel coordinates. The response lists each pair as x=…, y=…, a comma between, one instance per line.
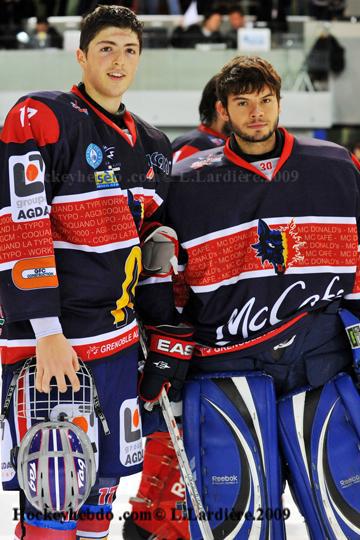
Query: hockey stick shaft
x=184, y=465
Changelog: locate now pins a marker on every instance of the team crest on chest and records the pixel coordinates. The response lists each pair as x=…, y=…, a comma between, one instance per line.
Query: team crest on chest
x=280, y=246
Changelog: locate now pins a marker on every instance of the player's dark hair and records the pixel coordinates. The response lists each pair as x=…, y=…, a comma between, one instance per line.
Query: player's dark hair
x=105, y=16
x=42, y=20
x=236, y=9
x=245, y=75
x=215, y=10
x=207, y=109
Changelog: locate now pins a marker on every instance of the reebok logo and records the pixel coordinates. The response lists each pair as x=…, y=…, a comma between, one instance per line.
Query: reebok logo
x=233, y=479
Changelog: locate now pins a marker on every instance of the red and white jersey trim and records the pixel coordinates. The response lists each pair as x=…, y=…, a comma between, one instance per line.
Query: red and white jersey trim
x=7, y=266
x=81, y=197
x=97, y=249
x=88, y=349
x=270, y=221
x=309, y=245
x=153, y=280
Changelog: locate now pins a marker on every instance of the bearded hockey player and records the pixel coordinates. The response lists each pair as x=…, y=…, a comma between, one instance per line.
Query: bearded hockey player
x=79, y=174
x=212, y=131
x=268, y=230
x=161, y=482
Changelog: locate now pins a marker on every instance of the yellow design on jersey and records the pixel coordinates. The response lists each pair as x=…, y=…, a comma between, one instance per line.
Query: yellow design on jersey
x=132, y=273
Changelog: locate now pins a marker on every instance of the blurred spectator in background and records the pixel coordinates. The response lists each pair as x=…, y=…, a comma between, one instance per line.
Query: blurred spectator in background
x=44, y=35
x=237, y=20
x=236, y=16
x=206, y=32
x=12, y=14
x=325, y=10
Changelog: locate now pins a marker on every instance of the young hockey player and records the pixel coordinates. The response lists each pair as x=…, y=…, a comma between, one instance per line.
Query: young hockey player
x=268, y=239
x=79, y=173
x=212, y=131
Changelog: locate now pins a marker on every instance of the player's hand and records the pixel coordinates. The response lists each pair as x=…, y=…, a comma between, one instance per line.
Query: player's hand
x=56, y=358
x=168, y=361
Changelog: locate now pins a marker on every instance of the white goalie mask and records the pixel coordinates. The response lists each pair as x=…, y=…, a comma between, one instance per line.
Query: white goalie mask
x=33, y=405
x=56, y=466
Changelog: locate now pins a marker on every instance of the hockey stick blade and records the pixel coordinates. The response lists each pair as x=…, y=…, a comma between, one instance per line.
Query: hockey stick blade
x=184, y=465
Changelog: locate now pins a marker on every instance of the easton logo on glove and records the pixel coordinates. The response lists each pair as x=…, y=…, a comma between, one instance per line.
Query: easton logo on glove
x=171, y=347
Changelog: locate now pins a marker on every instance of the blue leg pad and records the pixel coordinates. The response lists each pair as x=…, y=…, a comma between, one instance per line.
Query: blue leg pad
x=320, y=438
x=230, y=434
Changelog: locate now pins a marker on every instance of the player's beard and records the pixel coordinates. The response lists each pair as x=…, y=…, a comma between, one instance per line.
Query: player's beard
x=254, y=138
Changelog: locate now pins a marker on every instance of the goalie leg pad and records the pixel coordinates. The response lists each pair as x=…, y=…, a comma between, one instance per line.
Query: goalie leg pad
x=230, y=435
x=320, y=438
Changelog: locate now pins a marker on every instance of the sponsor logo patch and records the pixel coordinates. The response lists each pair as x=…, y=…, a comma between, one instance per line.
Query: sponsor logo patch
x=76, y=106
x=35, y=273
x=105, y=179
x=94, y=155
x=160, y=161
x=131, y=452
x=281, y=247
x=27, y=187
x=203, y=161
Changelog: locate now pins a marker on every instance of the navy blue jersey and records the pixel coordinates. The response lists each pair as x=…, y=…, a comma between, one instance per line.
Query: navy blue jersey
x=259, y=252
x=75, y=188
x=200, y=138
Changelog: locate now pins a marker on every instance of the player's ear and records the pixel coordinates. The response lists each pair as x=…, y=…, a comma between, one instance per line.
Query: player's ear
x=81, y=57
x=222, y=111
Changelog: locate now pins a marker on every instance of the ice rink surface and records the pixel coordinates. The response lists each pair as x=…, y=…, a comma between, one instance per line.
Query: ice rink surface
x=295, y=527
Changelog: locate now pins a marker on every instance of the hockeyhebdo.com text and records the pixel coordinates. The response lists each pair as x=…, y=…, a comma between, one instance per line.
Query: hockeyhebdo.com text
x=178, y=513
x=197, y=177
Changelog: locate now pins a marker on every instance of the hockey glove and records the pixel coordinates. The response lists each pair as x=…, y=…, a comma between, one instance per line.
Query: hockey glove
x=167, y=364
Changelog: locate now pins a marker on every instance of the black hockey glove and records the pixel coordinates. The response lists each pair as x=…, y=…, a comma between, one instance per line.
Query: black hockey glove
x=167, y=364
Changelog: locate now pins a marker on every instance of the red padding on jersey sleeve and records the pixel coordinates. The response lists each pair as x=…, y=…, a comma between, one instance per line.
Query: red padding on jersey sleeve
x=31, y=119
x=184, y=152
